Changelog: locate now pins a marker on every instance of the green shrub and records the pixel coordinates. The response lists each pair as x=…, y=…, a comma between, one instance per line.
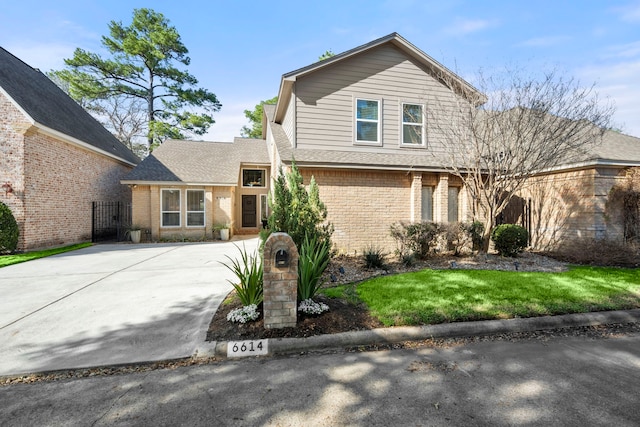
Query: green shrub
x=249, y=273
x=9, y=231
x=313, y=260
x=297, y=211
x=475, y=230
x=415, y=238
x=408, y=260
x=373, y=257
x=509, y=239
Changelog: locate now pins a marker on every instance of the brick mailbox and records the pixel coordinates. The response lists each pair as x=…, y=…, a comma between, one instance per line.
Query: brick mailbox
x=280, y=281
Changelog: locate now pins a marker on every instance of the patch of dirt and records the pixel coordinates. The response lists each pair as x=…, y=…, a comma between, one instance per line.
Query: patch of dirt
x=345, y=316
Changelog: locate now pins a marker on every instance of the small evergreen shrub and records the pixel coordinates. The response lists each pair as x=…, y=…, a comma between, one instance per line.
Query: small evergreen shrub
x=509, y=239
x=415, y=238
x=373, y=257
x=9, y=231
x=296, y=210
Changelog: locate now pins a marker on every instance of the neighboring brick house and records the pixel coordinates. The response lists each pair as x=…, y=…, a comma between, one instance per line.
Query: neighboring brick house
x=356, y=122
x=55, y=159
x=184, y=188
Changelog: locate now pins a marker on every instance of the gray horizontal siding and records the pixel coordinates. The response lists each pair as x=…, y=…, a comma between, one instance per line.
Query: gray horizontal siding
x=325, y=99
x=288, y=124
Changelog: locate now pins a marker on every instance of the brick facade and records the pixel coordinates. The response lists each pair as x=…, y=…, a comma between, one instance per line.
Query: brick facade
x=362, y=205
x=146, y=205
x=54, y=182
x=572, y=206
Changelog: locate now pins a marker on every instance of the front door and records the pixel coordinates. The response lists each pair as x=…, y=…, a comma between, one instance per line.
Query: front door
x=249, y=211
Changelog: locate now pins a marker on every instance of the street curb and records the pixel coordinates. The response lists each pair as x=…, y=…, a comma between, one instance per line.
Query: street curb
x=394, y=335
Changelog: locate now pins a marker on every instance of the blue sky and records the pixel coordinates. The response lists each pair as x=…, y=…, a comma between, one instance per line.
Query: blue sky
x=239, y=50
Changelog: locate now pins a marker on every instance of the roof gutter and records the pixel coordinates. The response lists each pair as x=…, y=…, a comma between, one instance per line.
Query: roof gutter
x=177, y=183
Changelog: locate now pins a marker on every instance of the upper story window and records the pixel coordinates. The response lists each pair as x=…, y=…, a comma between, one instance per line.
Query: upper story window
x=170, y=207
x=412, y=124
x=368, y=121
x=253, y=178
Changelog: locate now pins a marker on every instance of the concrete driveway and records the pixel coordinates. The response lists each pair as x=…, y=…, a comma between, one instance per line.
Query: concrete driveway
x=111, y=304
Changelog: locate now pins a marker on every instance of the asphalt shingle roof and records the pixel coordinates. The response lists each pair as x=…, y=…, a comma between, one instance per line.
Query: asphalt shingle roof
x=199, y=162
x=48, y=105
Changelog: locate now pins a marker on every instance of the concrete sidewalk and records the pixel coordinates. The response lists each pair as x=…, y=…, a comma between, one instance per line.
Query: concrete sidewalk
x=111, y=304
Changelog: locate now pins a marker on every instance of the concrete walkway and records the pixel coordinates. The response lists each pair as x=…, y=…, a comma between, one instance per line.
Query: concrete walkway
x=111, y=304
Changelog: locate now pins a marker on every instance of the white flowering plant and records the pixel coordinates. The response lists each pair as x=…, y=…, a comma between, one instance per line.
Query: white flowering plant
x=309, y=306
x=245, y=314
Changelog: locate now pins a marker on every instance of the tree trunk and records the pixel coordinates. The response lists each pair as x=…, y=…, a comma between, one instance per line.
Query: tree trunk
x=150, y=114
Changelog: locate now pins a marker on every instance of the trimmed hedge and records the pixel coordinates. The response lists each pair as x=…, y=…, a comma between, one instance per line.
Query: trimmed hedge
x=509, y=239
x=8, y=230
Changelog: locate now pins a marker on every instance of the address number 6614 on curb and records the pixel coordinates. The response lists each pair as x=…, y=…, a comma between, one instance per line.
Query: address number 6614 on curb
x=247, y=348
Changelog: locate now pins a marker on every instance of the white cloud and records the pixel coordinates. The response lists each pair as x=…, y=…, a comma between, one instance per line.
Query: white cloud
x=463, y=26
x=621, y=83
x=544, y=41
x=629, y=13
x=45, y=56
x=629, y=50
x=229, y=121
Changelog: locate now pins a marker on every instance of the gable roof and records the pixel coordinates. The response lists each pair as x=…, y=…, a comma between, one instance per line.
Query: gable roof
x=456, y=82
x=49, y=108
x=198, y=162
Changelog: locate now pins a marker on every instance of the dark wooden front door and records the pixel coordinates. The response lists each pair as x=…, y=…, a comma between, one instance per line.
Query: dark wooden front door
x=249, y=211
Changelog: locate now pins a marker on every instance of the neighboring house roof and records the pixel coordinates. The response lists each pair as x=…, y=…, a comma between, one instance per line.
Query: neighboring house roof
x=617, y=148
x=447, y=76
x=49, y=108
x=198, y=162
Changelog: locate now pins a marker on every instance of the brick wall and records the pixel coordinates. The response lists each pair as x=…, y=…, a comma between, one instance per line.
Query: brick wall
x=61, y=181
x=572, y=205
x=12, y=126
x=54, y=182
x=362, y=205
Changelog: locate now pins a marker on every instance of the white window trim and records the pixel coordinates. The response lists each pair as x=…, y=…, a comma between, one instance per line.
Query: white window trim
x=264, y=214
x=402, y=123
x=187, y=211
x=356, y=141
x=264, y=170
x=162, y=190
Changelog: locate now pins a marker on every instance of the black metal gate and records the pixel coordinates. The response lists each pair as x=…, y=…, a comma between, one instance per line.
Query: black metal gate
x=110, y=221
x=518, y=212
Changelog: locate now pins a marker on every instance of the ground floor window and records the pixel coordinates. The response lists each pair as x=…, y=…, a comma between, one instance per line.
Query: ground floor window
x=454, y=194
x=195, y=208
x=170, y=207
x=427, y=203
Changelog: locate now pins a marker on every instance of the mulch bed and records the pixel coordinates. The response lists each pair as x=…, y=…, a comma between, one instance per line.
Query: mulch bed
x=345, y=316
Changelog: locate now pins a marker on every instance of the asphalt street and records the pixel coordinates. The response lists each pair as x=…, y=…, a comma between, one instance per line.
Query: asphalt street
x=568, y=381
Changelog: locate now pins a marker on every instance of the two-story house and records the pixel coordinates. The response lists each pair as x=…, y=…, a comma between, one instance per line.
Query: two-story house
x=363, y=123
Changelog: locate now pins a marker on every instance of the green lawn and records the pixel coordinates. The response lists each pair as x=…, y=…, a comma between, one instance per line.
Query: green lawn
x=439, y=296
x=6, y=260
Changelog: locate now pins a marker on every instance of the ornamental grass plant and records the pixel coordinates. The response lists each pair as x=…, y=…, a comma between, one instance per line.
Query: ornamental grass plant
x=248, y=271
